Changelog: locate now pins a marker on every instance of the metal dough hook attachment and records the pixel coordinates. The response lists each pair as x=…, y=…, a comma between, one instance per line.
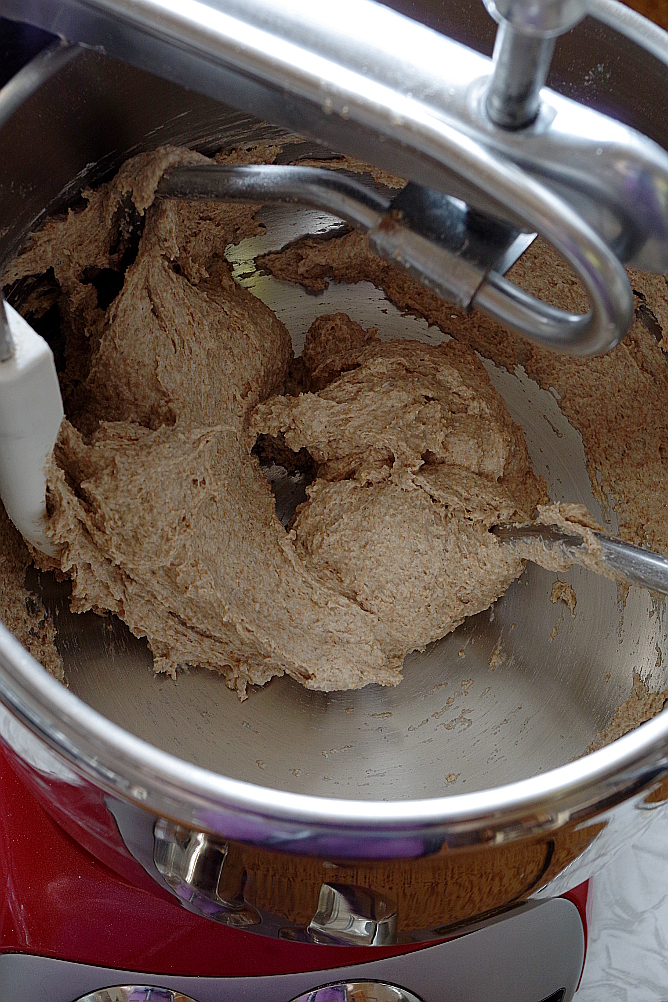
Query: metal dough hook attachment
x=459, y=253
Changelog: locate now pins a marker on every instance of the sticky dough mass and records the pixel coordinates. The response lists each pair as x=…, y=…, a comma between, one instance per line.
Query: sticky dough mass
x=161, y=508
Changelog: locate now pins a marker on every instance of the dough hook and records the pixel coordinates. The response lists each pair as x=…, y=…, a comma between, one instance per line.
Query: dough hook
x=457, y=251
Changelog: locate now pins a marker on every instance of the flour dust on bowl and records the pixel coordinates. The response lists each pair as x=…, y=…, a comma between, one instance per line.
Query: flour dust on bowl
x=419, y=807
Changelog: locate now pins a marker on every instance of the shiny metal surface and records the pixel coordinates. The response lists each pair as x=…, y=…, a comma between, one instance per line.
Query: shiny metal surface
x=463, y=755
x=523, y=51
x=359, y=991
x=626, y=562
x=426, y=896
x=193, y=865
x=353, y=916
x=541, y=18
x=215, y=879
x=551, y=535
x=268, y=183
x=515, y=251
x=638, y=566
x=525, y=43
x=347, y=991
x=521, y=65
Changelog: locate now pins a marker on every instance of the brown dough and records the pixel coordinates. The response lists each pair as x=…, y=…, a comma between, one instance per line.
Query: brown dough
x=164, y=515
x=563, y=592
x=617, y=401
x=417, y=458
x=22, y=613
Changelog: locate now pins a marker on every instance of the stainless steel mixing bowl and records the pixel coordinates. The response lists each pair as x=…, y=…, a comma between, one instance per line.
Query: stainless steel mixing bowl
x=415, y=809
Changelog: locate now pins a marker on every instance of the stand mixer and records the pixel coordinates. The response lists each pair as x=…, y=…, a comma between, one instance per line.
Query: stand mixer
x=506, y=151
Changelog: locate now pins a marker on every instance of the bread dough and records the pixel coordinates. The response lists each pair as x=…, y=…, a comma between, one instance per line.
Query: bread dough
x=21, y=612
x=563, y=592
x=617, y=401
x=162, y=512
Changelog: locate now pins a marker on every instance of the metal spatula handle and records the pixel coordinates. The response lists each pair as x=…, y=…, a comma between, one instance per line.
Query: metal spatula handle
x=635, y=565
x=625, y=561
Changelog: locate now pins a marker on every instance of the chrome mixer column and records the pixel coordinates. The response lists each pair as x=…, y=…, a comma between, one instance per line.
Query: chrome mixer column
x=523, y=51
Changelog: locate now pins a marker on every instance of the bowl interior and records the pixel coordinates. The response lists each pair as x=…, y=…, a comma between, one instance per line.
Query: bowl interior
x=516, y=690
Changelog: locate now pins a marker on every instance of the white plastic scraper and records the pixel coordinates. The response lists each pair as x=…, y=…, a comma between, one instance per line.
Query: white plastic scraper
x=31, y=410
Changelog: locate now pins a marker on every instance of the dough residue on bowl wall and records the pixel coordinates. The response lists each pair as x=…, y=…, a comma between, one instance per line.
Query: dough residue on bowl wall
x=563, y=592
x=641, y=706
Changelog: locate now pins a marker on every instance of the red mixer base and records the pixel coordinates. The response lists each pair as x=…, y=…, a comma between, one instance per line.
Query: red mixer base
x=59, y=901
x=69, y=924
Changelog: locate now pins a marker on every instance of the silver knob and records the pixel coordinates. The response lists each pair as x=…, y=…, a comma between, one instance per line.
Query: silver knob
x=358, y=991
x=354, y=916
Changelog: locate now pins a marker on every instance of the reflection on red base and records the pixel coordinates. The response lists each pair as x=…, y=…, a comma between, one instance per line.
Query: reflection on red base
x=57, y=900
